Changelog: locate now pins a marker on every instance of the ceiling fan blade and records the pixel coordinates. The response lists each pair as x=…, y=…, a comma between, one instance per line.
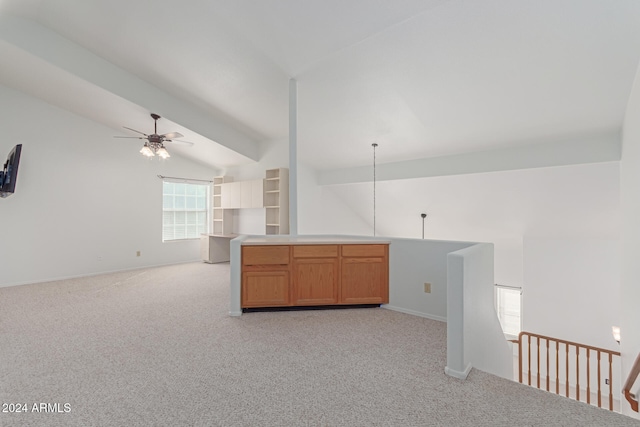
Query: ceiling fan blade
x=176, y=142
x=172, y=135
x=137, y=131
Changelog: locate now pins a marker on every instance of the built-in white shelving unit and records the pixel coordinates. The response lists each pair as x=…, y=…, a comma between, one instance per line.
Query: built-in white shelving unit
x=276, y=201
x=222, y=218
x=271, y=193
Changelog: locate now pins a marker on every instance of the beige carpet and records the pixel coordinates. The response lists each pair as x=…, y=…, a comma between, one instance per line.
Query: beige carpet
x=157, y=347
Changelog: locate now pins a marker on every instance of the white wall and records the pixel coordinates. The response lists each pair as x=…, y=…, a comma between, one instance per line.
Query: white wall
x=321, y=211
x=630, y=201
x=412, y=263
x=498, y=207
x=572, y=289
x=85, y=202
x=572, y=292
x=474, y=334
x=273, y=154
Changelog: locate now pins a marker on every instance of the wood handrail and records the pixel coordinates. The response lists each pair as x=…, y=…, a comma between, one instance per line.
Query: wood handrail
x=578, y=346
x=544, y=337
x=633, y=375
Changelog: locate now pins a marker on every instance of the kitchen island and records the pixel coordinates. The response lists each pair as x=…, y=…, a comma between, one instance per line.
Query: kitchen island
x=303, y=271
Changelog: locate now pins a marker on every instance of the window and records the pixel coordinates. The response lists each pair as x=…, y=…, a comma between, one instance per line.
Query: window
x=508, y=302
x=185, y=210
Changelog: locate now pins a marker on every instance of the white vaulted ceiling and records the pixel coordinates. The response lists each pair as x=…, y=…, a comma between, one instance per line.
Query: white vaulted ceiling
x=423, y=78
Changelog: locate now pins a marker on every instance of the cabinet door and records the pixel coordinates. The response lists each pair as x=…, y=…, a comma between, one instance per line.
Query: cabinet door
x=230, y=197
x=315, y=281
x=265, y=289
x=245, y=194
x=204, y=247
x=257, y=193
x=364, y=281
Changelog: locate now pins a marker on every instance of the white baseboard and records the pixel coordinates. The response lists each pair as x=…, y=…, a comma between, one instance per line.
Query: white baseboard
x=99, y=273
x=414, y=313
x=458, y=374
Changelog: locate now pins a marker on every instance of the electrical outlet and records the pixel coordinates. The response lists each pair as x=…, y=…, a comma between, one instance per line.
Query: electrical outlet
x=427, y=288
x=138, y=253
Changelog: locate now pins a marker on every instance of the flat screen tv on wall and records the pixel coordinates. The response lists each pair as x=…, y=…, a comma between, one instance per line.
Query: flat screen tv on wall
x=9, y=173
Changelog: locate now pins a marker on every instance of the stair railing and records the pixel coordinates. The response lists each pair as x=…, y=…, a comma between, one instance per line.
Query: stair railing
x=633, y=375
x=566, y=347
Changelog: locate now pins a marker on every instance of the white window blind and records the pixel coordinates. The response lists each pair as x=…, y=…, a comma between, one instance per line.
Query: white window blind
x=508, y=302
x=185, y=210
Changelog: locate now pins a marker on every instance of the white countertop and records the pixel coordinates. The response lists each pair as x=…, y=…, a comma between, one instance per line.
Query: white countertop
x=313, y=240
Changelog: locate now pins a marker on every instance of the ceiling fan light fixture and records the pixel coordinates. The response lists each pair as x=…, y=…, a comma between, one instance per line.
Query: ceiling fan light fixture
x=146, y=151
x=154, y=143
x=162, y=152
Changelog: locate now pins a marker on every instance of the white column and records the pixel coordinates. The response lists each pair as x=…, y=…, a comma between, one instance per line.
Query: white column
x=293, y=157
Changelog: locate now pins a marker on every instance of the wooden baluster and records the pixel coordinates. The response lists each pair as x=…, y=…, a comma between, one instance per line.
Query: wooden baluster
x=610, y=382
x=547, y=364
x=588, y=379
x=578, y=347
x=567, y=370
x=599, y=379
x=577, y=373
x=557, y=367
x=520, y=358
x=538, y=361
x=529, y=359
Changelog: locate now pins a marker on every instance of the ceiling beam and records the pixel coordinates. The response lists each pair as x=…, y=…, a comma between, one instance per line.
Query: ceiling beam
x=598, y=148
x=74, y=59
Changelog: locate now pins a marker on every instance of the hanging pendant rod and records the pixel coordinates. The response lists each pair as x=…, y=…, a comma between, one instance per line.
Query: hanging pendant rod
x=374, y=145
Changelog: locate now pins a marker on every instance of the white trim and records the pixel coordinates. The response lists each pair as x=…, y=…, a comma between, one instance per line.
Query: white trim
x=519, y=288
x=414, y=313
x=457, y=374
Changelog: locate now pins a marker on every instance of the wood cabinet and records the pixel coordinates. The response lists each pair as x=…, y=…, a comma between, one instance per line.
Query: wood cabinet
x=265, y=288
x=363, y=268
x=308, y=275
x=315, y=274
x=265, y=276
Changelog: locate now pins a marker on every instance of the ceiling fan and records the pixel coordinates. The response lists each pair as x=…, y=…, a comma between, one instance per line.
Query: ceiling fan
x=155, y=143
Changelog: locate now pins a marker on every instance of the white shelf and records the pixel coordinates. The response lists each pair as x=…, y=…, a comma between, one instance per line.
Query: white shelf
x=222, y=220
x=276, y=201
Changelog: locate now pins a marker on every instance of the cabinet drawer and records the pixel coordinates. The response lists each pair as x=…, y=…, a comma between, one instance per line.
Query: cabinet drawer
x=364, y=250
x=265, y=255
x=315, y=251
